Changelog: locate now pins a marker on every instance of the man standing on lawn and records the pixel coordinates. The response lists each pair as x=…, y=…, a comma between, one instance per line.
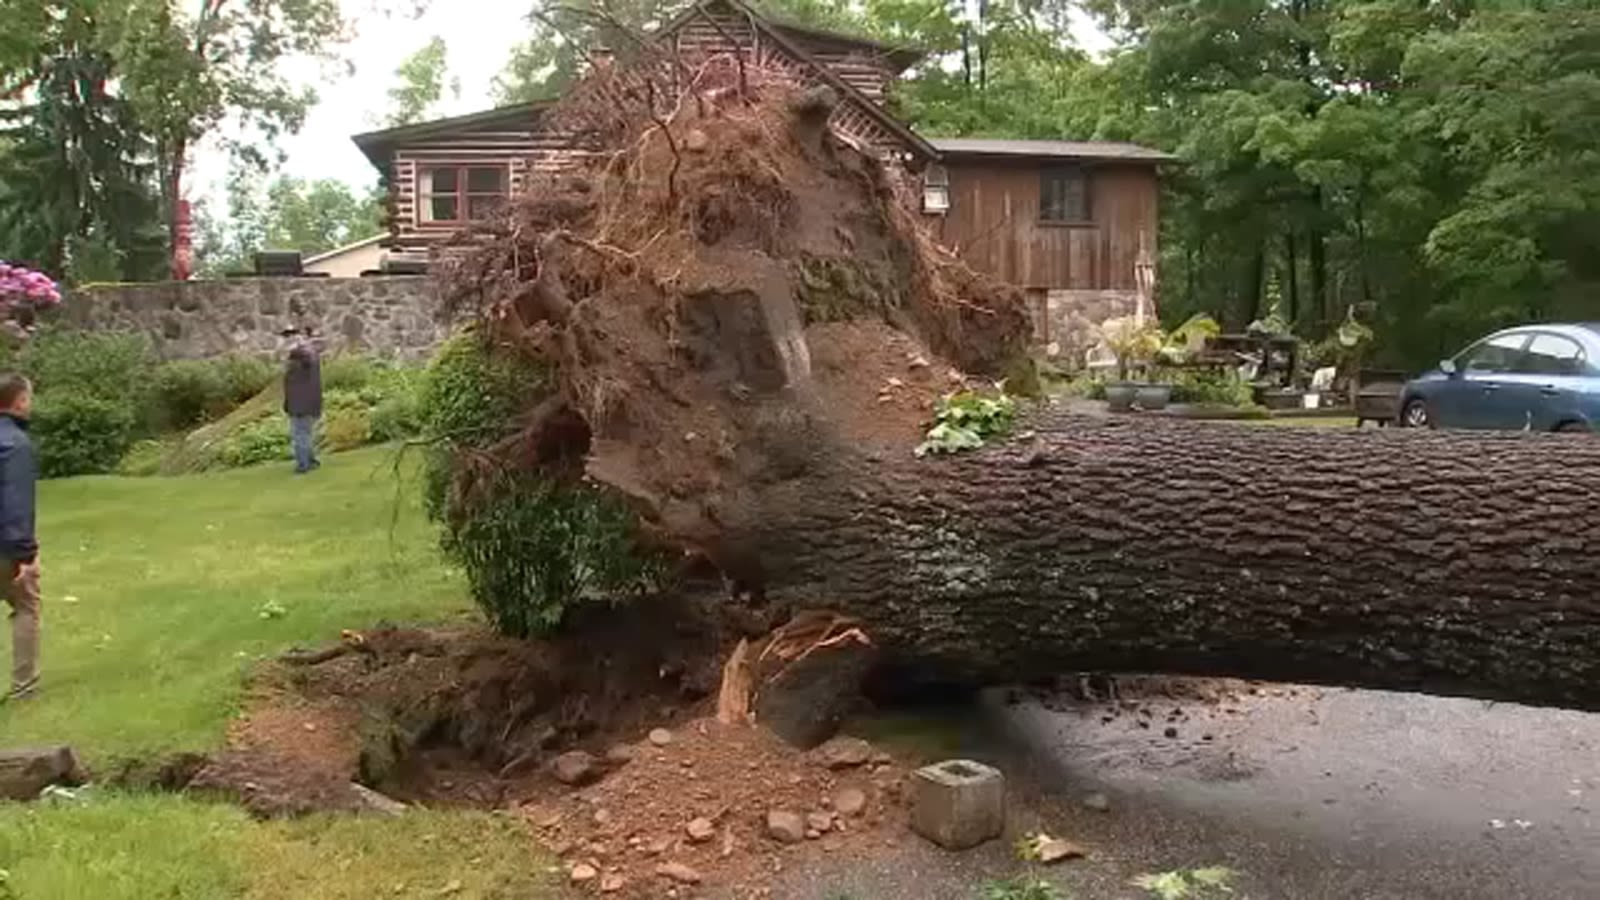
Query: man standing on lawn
x=302, y=397
x=18, y=546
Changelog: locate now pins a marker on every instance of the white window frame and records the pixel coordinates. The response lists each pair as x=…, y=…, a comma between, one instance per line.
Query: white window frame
x=936, y=190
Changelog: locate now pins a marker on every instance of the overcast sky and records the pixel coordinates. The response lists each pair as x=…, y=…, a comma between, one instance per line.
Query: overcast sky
x=480, y=35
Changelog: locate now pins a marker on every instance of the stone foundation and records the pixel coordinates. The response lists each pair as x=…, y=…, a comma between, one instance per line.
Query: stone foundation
x=389, y=316
x=1067, y=323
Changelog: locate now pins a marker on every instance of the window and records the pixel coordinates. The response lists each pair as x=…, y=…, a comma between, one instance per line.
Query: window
x=936, y=190
x=1552, y=354
x=454, y=194
x=1063, y=195
x=1496, y=355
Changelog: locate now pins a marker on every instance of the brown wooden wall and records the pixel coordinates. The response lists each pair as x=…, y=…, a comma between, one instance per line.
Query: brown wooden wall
x=993, y=224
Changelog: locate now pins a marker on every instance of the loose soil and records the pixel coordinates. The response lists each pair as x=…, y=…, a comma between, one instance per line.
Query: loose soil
x=464, y=718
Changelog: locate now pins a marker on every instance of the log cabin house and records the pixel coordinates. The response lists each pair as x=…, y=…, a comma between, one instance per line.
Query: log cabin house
x=1073, y=223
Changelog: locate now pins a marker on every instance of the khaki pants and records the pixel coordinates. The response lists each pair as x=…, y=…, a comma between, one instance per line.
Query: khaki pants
x=22, y=592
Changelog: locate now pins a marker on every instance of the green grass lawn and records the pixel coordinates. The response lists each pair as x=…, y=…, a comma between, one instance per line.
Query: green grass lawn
x=154, y=592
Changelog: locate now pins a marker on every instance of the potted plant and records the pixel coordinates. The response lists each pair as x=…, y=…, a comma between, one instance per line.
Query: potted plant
x=1134, y=342
x=1141, y=343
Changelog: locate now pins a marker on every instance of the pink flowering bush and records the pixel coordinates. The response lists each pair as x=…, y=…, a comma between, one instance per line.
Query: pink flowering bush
x=21, y=285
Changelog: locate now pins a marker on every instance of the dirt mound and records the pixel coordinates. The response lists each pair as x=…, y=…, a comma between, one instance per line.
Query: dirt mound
x=701, y=803
x=736, y=295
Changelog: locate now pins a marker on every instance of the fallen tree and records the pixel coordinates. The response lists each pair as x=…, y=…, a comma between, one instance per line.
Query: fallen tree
x=748, y=330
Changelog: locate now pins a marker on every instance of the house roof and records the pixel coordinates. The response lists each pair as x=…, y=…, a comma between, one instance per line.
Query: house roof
x=1087, y=150
x=378, y=145
x=357, y=245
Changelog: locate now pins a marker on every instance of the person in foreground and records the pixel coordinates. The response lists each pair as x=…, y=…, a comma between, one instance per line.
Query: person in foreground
x=302, y=397
x=18, y=546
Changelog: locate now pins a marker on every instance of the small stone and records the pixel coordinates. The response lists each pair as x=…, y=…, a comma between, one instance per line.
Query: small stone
x=1171, y=732
x=844, y=753
x=696, y=140
x=574, y=768
x=612, y=883
x=310, y=726
x=819, y=822
x=812, y=834
x=583, y=873
x=701, y=830
x=850, y=801
x=678, y=872
x=1097, y=802
x=659, y=846
x=602, y=817
x=660, y=737
x=620, y=755
x=1054, y=850
x=548, y=819
x=786, y=827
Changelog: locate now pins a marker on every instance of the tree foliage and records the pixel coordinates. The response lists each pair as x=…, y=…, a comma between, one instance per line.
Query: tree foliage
x=423, y=80
x=286, y=213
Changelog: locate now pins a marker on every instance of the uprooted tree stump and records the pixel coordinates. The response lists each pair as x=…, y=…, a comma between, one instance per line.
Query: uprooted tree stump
x=751, y=350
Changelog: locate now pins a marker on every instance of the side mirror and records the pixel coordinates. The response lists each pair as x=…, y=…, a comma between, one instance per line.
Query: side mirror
x=1448, y=367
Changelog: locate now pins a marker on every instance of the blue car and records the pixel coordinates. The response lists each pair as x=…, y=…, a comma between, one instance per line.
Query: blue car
x=1536, y=378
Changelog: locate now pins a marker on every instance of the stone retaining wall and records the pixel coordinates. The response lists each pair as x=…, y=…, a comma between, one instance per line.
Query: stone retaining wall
x=388, y=316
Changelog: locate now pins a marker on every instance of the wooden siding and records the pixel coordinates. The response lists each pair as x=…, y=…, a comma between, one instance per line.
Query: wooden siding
x=993, y=223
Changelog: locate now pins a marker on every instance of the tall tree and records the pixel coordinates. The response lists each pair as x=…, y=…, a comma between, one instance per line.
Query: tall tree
x=287, y=213
x=424, y=79
x=77, y=187
x=187, y=74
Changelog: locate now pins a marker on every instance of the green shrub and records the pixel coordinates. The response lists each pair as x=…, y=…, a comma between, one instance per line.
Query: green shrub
x=350, y=372
x=244, y=377
x=1211, y=388
x=346, y=428
x=108, y=365
x=185, y=393
x=258, y=441
x=530, y=548
x=78, y=433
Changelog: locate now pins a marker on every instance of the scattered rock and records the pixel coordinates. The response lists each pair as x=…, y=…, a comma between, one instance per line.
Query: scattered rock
x=701, y=830
x=812, y=834
x=659, y=846
x=602, y=817
x=574, y=767
x=620, y=755
x=612, y=883
x=660, y=737
x=696, y=140
x=849, y=801
x=583, y=873
x=1054, y=850
x=786, y=827
x=844, y=753
x=678, y=872
x=819, y=822
x=1097, y=802
x=373, y=801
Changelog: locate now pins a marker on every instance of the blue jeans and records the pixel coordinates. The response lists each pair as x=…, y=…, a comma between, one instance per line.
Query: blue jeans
x=305, y=455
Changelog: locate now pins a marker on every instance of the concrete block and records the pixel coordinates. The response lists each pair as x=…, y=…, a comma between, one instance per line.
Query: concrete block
x=958, y=804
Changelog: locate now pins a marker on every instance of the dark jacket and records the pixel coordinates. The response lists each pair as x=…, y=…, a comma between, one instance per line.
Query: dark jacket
x=18, y=473
x=302, y=381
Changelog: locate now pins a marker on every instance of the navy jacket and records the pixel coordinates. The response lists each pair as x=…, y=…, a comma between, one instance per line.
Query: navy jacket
x=18, y=473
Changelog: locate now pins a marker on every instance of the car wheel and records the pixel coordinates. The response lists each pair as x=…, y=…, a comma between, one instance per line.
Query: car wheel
x=1573, y=428
x=1415, y=415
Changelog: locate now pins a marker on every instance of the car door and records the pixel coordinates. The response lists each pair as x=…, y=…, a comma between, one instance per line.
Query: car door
x=1547, y=379
x=1476, y=395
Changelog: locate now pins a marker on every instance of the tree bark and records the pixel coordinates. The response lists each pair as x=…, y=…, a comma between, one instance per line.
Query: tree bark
x=1446, y=563
x=26, y=773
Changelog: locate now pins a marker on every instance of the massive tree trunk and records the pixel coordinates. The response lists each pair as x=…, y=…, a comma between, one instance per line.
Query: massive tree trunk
x=750, y=353
x=1451, y=563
